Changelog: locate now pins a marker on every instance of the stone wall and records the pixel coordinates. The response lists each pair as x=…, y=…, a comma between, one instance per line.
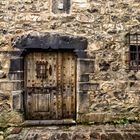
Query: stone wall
x=107, y=89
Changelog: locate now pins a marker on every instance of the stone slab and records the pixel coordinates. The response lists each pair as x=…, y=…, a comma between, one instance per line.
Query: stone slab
x=49, y=41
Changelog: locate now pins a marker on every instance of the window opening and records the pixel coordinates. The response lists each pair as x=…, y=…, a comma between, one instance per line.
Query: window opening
x=60, y=6
x=134, y=51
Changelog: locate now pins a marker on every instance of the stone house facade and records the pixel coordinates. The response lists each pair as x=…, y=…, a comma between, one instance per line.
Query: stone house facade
x=91, y=47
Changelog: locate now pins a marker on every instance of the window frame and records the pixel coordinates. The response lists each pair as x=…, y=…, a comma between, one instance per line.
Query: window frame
x=134, y=40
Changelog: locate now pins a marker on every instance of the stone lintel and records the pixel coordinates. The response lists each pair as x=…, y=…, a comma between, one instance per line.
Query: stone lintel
x=48, y=40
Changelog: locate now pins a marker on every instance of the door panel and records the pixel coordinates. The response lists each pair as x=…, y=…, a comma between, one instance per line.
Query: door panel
x=68, y=89
x=50, y=85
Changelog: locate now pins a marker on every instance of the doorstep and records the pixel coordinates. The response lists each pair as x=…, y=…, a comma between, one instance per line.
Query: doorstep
x=49, y=122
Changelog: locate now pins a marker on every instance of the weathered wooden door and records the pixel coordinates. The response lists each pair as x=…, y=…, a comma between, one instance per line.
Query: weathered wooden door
x=50, y=85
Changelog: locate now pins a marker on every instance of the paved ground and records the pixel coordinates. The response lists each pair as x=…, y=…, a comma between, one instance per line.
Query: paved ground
x=76, y=132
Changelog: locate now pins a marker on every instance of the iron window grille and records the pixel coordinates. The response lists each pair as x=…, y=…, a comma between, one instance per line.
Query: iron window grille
x=133, y=41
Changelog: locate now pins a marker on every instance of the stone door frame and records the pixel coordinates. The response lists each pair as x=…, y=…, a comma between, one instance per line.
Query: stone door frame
x=44, y=41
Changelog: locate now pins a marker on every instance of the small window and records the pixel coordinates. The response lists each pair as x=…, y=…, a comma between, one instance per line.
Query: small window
x=41, y=68
x=134, y=51
x=60, y=6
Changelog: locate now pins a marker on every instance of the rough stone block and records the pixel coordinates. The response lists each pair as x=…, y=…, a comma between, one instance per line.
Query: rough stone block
x=2, y=74
x=95, y=136
x=16, y=130
x=12, y=137
x=79, y=136
x=127, y=136
x=104, y=137
x=83, y=102
x=89, y=86
x=1, y=137
x=17, y=99
x=84, y=78
x=81, y=4
x=16, y=75
x=80, y=1
x=115, y=136
x=32, y=136
x=17, y=85
x=6, y=86
x=16, y=65
x=98, y=117
x=3, y=96
x=80, y=53
x=86, y=66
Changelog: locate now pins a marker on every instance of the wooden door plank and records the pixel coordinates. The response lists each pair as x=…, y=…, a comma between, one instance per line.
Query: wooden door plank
x=68, y=85
x=59, y=85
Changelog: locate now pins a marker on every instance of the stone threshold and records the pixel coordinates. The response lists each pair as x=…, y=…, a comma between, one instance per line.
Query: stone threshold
x=49, y=122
